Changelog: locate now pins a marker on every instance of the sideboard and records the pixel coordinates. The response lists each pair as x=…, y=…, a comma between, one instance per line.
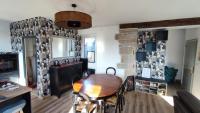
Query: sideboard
x=61, y=77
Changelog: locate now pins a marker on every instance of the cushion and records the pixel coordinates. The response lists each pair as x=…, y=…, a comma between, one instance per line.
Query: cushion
x=111, y=100
x=179, y=107
x=190, y=101
x=14, y=107
x=84, y=105
x=170, y=74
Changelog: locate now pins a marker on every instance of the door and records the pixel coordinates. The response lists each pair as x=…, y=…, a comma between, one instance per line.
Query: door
x=30, y=61
x=189, y=63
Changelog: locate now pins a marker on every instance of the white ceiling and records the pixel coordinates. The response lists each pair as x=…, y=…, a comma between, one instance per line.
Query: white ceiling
x=104, y=12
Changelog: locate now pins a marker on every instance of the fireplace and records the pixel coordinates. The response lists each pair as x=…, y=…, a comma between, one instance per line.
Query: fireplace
x=8, y=62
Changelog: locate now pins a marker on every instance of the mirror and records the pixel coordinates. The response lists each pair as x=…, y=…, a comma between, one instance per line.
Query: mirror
x=63, y=47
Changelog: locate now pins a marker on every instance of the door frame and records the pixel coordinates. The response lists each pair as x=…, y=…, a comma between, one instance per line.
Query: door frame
x=24, y=57
x=192, y=76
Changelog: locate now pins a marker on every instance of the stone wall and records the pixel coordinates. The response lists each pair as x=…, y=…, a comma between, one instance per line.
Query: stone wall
x=127, y=39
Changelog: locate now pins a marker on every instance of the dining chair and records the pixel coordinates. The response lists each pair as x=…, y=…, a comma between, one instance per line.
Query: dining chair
x=111, y=68
x=118, y=100
x=82, y=101
x=85, y=105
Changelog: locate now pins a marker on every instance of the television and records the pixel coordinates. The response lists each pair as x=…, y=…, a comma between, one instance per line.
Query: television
x=8, y=63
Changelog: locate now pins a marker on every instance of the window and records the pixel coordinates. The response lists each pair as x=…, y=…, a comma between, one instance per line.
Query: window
x=90, y=49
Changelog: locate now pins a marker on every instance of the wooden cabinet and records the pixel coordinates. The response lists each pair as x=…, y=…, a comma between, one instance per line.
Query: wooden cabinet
x=61, y=77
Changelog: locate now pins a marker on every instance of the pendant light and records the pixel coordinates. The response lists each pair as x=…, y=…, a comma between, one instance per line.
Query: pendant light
x=73, y=19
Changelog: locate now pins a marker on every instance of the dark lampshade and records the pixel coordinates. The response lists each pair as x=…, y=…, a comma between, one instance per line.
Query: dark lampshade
x=73, y=20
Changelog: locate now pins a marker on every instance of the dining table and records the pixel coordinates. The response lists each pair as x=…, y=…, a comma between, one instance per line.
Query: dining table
x=98, y=86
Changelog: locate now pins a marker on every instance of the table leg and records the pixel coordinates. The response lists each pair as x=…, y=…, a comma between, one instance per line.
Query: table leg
x=27, y=107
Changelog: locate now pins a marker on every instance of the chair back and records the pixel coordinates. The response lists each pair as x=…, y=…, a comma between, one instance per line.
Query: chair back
x=120, y=99
x=84, y=96
x=89, y=106
x=111, y=68
x=122, y=89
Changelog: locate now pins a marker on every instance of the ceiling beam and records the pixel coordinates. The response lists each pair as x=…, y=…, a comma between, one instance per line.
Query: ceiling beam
x=163, y=23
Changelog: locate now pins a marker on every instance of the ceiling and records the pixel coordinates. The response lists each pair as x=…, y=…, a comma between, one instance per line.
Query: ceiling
x=104, y=12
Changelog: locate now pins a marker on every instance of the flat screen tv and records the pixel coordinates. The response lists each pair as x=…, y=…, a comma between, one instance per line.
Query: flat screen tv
x=8, y=63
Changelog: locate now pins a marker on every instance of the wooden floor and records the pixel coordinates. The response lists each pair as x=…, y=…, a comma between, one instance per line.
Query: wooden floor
x=173, y=88
x=146, y=103
x=52, y=104
x=135, y=103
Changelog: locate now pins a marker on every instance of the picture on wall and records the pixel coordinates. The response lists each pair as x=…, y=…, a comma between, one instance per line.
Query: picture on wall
x=91, y=56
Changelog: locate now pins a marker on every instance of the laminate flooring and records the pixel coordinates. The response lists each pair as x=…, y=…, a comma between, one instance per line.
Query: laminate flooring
x=135, y=103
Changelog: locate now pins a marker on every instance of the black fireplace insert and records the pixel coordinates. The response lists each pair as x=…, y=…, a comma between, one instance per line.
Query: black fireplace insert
x=8, y=62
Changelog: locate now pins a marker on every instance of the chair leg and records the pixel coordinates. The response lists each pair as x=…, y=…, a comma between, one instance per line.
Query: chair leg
x=123, y=100
x=101, y=106
x=116, y=108
x=122, y=103
x=74, y=103
x=119, y=104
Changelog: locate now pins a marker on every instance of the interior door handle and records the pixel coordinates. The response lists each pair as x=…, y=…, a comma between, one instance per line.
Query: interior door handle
x=193, y=69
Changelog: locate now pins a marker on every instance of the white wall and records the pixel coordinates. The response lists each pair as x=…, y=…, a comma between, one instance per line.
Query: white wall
x=107, y=48
x=191, y=34
x=175, y=50
x=5, y=41
x=194, y=33
x=5, y=46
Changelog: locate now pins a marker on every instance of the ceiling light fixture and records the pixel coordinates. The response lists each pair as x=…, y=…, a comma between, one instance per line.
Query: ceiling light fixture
x=73, y=19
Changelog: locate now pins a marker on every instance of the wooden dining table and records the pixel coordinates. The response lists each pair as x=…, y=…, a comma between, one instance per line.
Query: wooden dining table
x=98, y=85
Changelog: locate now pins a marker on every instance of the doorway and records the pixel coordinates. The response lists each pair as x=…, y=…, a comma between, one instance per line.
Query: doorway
x=189, y=64
x=30, y=61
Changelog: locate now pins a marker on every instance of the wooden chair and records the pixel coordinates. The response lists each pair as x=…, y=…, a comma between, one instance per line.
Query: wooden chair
x=82, y=101
x=117, y=100
x=111, y=68
x=85, y=104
